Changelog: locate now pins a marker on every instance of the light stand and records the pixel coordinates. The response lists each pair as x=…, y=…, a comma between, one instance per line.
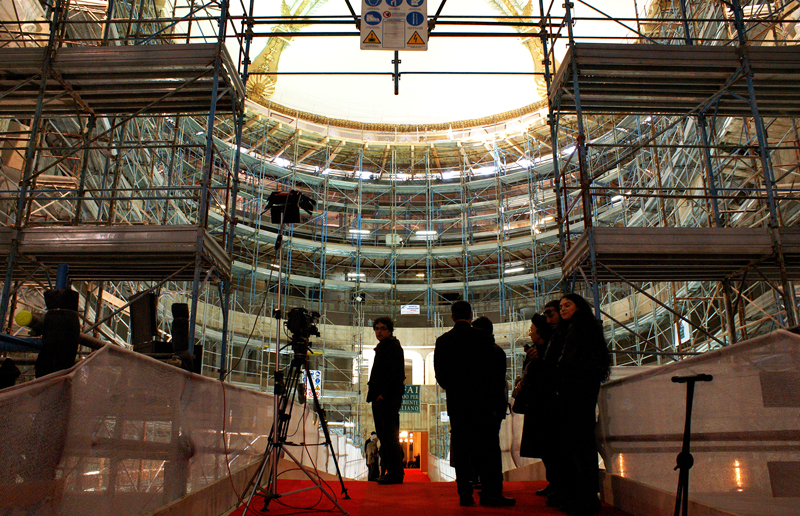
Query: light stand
x=685, y=459
x=285, y=209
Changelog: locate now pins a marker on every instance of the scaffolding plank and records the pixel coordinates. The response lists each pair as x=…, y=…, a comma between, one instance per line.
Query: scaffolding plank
x=116, y=253
x=682, y=254
x=116, y=80
x=675, y=79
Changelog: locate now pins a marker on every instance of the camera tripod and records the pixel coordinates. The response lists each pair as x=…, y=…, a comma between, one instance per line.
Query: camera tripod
x=286, y=388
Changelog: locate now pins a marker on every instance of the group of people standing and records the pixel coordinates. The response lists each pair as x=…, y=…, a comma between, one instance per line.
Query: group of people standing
x=557, y=392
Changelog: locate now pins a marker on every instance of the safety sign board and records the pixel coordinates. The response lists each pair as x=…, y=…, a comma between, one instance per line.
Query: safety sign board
x=415, y=39
x=372, y=38
x=394, y=25
x=316, y=380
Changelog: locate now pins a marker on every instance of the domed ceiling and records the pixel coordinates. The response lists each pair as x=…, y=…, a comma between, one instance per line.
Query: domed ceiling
x=422, y=98
x=457, y=78
x=313, y=116
x=439, y=94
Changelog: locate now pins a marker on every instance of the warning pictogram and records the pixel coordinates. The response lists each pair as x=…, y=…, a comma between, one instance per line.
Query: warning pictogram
x=416, y=39
x=372, y=38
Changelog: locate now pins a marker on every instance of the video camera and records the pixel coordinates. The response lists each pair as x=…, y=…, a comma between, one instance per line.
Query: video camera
x=302, y=324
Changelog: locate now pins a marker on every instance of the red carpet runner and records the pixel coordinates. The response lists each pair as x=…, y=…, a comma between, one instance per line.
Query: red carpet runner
x=415, y=475
x=417, y=496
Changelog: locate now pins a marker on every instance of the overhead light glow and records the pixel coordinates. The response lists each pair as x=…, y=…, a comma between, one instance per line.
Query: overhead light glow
x=423, y=232
x=483, y=171
x=359, y=231
x=356, y=275
x=421, y=275
x=514, y=269
x=282, y=162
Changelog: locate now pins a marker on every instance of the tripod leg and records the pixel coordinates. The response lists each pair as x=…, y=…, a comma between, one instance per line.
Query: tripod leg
x=318, y=484
x=257, y=482
x=324, y=423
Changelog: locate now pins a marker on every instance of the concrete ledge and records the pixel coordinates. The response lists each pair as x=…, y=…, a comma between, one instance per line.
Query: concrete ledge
x=638, y=499
x=531, y=472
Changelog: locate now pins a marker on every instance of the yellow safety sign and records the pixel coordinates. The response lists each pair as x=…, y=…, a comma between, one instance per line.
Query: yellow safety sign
x=416, y=39
x=372, y=38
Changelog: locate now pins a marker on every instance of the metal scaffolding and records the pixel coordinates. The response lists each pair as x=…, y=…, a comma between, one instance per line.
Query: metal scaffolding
x=670, y=133
x=129, y=124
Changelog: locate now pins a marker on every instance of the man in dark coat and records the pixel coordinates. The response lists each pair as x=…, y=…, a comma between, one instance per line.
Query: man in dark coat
x=386, y=395
x=468, y=370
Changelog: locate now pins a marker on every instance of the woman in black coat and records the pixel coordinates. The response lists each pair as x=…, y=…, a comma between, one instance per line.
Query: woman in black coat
x=584, y=364
x=536, y=392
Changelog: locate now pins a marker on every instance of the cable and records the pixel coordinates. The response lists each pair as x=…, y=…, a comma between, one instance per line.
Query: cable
x=252, y=331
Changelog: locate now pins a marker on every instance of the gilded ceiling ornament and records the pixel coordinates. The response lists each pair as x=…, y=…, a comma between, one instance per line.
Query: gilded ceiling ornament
x=261, y=87
x=532, y=42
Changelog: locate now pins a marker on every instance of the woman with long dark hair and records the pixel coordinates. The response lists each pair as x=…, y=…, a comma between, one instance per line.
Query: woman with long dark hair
x=584, y=364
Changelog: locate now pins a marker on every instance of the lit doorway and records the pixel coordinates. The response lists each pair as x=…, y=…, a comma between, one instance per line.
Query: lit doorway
x=414, y=445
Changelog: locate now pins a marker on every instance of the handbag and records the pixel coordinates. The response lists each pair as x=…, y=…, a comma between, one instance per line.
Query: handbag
x=520, y=404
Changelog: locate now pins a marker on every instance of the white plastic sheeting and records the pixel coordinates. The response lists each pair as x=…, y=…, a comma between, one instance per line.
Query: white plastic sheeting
x=745, y=426
x=124, y=434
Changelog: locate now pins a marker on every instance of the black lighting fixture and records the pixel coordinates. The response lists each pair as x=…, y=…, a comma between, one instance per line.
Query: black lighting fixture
x=288, y=205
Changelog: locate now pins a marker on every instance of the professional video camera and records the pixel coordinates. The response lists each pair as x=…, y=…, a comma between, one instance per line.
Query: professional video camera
x=302, y=324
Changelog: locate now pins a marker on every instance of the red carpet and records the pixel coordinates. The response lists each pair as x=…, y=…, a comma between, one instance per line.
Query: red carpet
x=407, y=499
x=415, y=475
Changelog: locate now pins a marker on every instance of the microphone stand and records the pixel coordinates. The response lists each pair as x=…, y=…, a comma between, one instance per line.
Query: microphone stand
x=685, y=461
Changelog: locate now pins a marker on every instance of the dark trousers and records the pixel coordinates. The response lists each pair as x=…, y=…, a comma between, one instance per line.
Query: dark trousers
x=553, y=467
x=475, y=446
x=579, y=447
x=373, y=470
x=387, y=425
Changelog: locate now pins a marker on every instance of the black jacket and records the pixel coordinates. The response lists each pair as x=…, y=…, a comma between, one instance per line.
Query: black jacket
x=470, y=369
x=584, y=360
x=388, y=372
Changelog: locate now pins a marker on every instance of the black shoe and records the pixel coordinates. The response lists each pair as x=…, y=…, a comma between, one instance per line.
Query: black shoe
x=387, y=480
x=584, y=507
x=466, y=501
x=556, y=499
x=546, y=490
x=497, y=501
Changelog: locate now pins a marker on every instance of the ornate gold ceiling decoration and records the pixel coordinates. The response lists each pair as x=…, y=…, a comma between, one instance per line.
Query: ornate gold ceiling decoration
x=530, y=39
x=261, y=87
x=405, y=128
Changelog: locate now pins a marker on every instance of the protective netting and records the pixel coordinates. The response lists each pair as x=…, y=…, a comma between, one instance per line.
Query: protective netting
x=745, y=426
x=123, y=434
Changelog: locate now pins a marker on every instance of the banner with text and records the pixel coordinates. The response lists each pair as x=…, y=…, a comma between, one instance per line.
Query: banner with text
x=411, y=399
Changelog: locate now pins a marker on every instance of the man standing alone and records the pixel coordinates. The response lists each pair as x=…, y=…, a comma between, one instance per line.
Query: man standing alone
x=468, y=370
x=386, y=395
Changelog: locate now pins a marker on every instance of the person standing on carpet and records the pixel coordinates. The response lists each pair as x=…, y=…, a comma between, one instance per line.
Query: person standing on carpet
x=386, y=395
x=467, y=369
x=371, y=453
x=584, y=364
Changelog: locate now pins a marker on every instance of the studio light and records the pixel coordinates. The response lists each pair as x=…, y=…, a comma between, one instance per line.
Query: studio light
x=289, y=205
